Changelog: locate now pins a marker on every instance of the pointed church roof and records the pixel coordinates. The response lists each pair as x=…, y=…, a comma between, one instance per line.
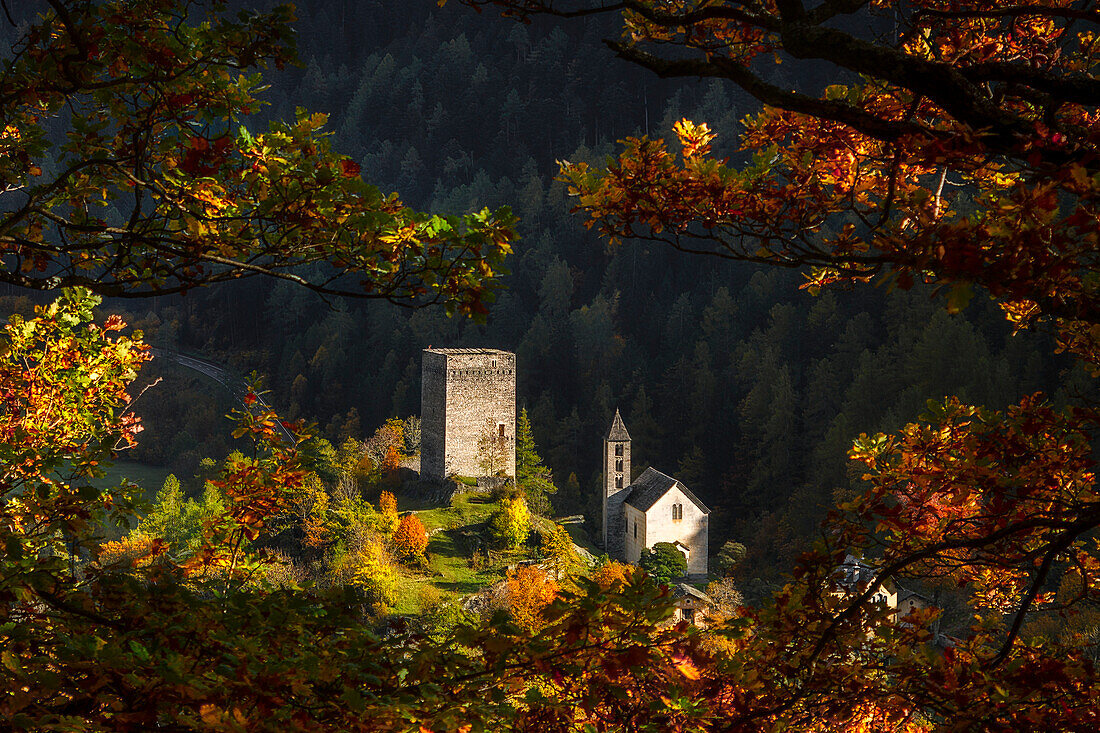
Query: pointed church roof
x=648, y=488
x=618, y=432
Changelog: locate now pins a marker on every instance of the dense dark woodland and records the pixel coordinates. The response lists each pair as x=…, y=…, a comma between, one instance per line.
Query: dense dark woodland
x=728, y=375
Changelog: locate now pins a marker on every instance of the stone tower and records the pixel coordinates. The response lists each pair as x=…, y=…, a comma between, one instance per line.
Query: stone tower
x=616, y=472
x=466, y=394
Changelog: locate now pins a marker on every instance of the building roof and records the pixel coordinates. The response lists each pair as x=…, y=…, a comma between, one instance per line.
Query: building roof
x=466, y=351
x=681, y=590
x=904, y=594
x=648, y=488
x=618, y=432
x=854, y=574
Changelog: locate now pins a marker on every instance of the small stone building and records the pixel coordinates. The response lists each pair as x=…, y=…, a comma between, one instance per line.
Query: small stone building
x=854, y=576
x=468, y=398
x=910, y=601
x=692, y=605
x=653, y=508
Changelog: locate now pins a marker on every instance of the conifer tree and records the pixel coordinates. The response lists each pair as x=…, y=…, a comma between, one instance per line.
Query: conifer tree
x=532, y=476
x=162, y=520
x=558, y=547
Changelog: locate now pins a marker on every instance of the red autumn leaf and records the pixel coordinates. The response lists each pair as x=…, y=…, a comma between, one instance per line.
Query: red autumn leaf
x=349, y=168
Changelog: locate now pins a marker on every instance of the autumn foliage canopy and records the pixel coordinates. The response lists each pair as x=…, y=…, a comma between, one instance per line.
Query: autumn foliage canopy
x=156, y=94
x=960, y=152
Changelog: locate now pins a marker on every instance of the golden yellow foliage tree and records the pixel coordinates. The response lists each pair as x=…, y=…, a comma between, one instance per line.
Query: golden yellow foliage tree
x=613, y=572
x=316, y=525
x=511, y=523
x=371, y=569
x=387, y=514
x=529, y=591
x=135, y=549
x=558, y=548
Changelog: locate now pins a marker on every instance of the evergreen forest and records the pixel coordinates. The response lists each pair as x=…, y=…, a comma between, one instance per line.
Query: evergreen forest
x=728, y=375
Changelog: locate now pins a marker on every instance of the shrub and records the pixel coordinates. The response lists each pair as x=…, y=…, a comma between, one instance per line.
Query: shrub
x=479, y=560
x=664, y=562
x=373, y=572
x=133, y=551
x=511, y=523
x=503, y=491
x=613, y=572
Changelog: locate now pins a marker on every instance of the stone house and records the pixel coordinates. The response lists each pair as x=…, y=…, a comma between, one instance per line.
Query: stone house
x=653, y=508
x=909, y=601
x=691, y=604
x=854, y=576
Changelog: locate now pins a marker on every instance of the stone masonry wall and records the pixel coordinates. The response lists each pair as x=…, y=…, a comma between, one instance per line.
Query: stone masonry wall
x=464, y=391
x=691, y=530
x=614, y=523
x=633, y=546
x=433, y=414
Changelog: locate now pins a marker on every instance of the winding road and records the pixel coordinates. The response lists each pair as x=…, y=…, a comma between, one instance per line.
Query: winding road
x=217, y=372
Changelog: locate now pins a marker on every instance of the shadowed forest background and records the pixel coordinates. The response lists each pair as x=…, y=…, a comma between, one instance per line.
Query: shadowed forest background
x=728, y=376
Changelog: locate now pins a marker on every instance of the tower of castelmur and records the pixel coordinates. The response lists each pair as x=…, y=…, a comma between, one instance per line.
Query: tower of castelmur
x=616, y=472
x=465, y=393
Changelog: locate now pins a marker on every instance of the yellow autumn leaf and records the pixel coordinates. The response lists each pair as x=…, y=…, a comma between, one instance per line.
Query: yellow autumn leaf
x=686, y=667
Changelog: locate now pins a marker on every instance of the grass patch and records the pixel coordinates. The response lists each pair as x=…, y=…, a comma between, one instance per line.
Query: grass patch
x=450, y=552
x=466, y=509
x=454, y=533
x=408, y=594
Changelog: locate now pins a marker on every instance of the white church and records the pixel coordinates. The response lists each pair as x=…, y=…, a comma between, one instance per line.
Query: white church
x=653, y=508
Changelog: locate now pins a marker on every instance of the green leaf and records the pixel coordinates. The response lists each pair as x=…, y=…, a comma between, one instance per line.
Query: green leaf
x=10, y=661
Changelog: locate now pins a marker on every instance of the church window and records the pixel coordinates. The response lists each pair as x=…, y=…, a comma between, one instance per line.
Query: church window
x=500, y=430
x=618, y=449
x=494, y=363
x=677, y=511
x=618, y=482
x=635, y=529
x=619, y=464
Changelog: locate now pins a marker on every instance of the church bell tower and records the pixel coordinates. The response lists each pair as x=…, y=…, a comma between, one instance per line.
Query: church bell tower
x=616, y=472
